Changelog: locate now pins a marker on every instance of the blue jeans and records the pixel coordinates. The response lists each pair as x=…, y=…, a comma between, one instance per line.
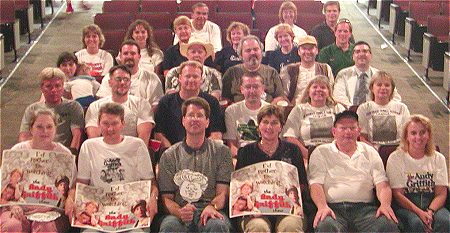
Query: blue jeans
x=411, y=221
x=171, y=223
x=359, y=216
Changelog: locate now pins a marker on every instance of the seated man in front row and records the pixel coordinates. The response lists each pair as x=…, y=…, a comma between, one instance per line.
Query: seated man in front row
x=342, y=175
x=124, y=158
x=194, y=176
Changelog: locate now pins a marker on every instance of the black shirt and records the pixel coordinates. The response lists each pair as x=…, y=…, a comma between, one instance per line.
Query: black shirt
x=168, y=117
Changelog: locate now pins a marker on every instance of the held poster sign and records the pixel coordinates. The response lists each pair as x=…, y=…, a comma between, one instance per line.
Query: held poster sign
x=36, y=177
x=267, y=188
x=119, y=207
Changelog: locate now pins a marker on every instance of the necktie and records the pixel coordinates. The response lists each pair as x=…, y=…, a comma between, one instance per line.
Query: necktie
x=361, y=93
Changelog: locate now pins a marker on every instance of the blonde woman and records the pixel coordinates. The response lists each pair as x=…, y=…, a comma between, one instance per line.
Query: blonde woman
x=309, y=123
x=418, y=177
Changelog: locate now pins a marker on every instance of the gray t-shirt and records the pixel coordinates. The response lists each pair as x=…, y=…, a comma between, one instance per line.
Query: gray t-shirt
x=70, y=116
x=213, y=160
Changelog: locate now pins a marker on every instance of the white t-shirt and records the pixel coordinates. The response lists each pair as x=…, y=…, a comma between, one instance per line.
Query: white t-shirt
x=310, y=124
x=241, y=123
x=416, y=175
x=100, y=63
x=137, y=111
x=149, y=63
x=209, y=33
x=383, y=124
x=345, y=178
x=103, y=164
x=271, y=43
x=144, y=84
x=81, y=87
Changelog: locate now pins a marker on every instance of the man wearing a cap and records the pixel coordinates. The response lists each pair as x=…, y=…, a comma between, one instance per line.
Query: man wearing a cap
x=295, y=77
x=339, y=54
x=169, y=129
x=250, y=50
x=203, y=28
x=144, y=84
x=197, y=50
x=342, y=176
x=349, y=81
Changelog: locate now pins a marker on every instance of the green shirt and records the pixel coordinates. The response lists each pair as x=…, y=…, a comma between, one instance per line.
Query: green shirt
x=336, y=58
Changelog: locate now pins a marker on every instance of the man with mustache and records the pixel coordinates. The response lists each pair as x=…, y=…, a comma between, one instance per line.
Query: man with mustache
x=144, y=84
x=351, y=86
x=250, y=51
x=197, y=50
x=138, y=114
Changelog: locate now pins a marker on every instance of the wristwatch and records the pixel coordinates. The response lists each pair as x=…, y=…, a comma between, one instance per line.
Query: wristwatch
x=214, y=206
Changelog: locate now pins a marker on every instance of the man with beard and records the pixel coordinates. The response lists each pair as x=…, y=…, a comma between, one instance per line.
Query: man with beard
x=138, y=115
x=295, y=77
x=144, y=84
x=250, y=51
x=197, y=50
x=352, y=84
x=240, y=117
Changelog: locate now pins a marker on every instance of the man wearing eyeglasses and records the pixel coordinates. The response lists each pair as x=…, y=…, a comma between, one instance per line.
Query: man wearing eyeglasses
x=138, y=114
x=342, y=176
x=144, y=84
x=339, y=54
x=351, y=86
x=241, y=117
x=194, y=176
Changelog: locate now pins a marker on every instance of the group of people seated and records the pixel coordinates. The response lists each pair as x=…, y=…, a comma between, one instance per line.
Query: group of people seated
x=318, y=104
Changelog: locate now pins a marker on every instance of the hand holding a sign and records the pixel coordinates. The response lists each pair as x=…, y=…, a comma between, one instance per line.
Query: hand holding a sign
x=210, y=212
x=187, y=213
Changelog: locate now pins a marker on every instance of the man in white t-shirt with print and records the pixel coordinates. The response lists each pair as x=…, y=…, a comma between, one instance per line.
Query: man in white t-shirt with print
x=138, y=114
x=115, y=158
x=240, y=117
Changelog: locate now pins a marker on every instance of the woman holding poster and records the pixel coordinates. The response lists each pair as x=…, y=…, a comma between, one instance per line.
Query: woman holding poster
x=17, y=218
x=270, y=147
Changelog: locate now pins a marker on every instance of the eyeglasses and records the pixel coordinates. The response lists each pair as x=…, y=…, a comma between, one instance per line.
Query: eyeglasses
x=120, y=79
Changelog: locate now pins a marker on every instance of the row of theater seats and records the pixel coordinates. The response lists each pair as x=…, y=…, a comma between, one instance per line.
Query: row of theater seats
x=425, y=26
x=172, y=6
x=160, y=15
